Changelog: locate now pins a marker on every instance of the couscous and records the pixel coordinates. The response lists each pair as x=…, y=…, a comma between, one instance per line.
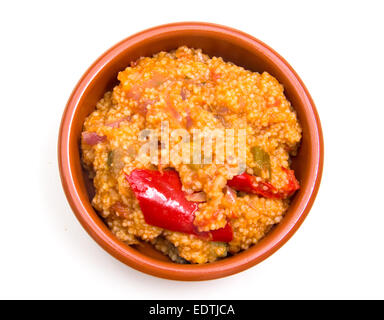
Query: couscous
x=160, y=175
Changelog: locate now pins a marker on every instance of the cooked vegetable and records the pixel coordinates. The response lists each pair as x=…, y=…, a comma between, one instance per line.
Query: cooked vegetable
x=223, y=234
x=195, y=167
x=92, y=138
x=263, y=162
x=184, y=93
x=292, y=184
x=116, y=123
x=250, y=184
x=197, y=197
x=110, y=158
x=165, y=205
x=255, y=185
x=230, y=194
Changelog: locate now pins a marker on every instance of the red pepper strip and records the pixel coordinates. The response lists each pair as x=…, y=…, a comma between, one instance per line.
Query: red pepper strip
x=292, y=184
x=223, y=234
x=248, y=183
x=164, y=204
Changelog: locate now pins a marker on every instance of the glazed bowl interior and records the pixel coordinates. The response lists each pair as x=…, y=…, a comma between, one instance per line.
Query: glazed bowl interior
x=235, y=47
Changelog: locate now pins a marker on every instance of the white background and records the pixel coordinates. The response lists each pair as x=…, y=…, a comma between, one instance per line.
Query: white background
x=337, y=49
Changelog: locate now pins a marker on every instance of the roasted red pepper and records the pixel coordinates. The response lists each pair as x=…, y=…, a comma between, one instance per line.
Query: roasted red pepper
x=292, y=184
x=224, y=234
x=164, y=204
x=255, y=185
x=248, y=183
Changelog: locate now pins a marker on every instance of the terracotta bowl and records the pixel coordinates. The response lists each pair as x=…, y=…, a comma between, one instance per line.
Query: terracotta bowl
x=215, y=40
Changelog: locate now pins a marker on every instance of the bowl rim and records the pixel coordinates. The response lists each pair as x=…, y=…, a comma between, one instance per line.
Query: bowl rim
x=169, y=270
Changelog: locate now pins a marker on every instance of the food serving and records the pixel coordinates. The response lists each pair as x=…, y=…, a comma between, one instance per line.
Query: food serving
x=200, y=205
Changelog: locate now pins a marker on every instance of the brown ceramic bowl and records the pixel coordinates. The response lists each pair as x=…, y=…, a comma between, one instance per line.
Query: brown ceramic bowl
x=215, y=40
